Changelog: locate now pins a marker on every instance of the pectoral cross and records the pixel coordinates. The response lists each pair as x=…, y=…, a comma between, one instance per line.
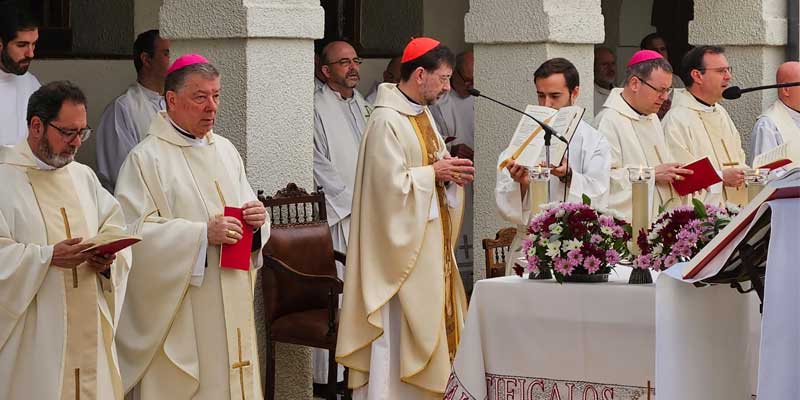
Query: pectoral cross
x=69, y=236
x=730, y=162
x=241, y=363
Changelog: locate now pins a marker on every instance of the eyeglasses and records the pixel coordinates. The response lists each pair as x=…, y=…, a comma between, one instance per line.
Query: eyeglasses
x=442, y=78
x=721, y=70
x=69, y=134
x=345, y=62
x=664, y=91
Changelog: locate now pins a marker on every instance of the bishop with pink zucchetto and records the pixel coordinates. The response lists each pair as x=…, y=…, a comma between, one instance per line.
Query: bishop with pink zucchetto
x=187, y=328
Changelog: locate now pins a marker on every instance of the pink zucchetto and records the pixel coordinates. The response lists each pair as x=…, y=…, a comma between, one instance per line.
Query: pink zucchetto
x=186, y=60
x=642, y=56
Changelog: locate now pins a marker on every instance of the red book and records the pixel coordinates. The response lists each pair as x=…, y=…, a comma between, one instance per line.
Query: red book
x=110, y=242
x=704, y=176
x=777, y=164
x=237, y=255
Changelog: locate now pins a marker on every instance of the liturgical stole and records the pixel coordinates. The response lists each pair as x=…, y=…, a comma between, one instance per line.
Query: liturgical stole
x=786, y=125
x=429, y=143
x=237, y=285
x=55, y=190
x=725, y=153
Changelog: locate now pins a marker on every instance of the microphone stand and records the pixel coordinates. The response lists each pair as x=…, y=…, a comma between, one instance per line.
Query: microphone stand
x=549, y=132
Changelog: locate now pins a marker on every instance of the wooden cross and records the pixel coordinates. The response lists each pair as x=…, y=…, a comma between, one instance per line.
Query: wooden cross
x=241, y=363
x=69, y=236
x=466, y=246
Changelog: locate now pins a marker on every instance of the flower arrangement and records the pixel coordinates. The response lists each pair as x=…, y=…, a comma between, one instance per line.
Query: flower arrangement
x=574, y=238
x=679, y=234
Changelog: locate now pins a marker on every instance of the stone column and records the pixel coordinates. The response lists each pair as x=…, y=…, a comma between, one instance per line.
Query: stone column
x=753, y=33
x=264, y=52
x=511, y=39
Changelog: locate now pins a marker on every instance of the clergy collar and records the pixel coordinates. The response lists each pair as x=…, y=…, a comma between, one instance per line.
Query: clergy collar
x=43, y=165
x=193, y=140
x=418, y=108
x=700, y=101
x=792, y=112
x=632, y=107
x=339, y=95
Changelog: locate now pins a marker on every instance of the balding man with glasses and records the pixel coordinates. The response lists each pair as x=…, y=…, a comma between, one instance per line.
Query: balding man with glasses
x=629, y=122
x=59, y=299
x=340, y=115
x=698, y=126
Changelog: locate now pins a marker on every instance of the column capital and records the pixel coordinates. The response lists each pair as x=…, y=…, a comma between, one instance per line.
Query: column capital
x=525, y=21
x=200, y=19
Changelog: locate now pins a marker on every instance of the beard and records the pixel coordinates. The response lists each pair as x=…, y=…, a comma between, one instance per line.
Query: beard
x=47, y=155
x=11, y=66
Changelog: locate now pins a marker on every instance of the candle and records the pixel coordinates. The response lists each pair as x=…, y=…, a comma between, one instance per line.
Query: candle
x=640, y=202
x=539, y=189
x=755, y=179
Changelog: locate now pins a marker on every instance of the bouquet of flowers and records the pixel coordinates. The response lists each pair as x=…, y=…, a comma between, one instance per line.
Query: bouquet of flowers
x=574, y=238
x=679, y=234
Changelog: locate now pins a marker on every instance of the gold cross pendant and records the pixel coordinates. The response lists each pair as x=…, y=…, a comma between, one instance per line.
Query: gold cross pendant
x=241, y=363
x=69, y=236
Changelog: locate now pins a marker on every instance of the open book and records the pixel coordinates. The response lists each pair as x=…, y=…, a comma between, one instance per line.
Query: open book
x=714, y=258
x=780, y=156
x=110, y=242
x=704, y=176
x=527, y=144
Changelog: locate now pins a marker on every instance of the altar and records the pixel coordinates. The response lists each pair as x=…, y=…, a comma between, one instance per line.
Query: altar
x=532, y=340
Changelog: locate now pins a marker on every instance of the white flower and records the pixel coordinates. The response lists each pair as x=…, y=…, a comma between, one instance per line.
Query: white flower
x=556, y=229
x=652, y=236
x=611, y=213
x=658, y=249
x=606, y=230
x=560, y=213
x=572, y=244
x=542, y=242
x=553, y=249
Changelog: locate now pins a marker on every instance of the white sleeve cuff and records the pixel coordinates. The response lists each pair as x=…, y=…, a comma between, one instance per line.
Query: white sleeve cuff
x=199, y=270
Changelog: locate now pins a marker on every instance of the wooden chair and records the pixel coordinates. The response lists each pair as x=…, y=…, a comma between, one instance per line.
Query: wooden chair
x=496, y=251
x=300, y=286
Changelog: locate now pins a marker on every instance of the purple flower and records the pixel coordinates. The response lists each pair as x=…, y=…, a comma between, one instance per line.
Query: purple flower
x=669, y=261
x=533, y=264
x=592, y=264
x=612, y=257
x=574, y=258
x=595, y=239
x=562, y=266
x=643, y=261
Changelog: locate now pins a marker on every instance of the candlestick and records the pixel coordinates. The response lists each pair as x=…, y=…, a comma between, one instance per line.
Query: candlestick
x=540, y=187
x=755, y=179
x=640, y=178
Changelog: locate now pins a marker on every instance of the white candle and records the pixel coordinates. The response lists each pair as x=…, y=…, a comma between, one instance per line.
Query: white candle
x=540, y=185
x=640, y=203
x=755, y=179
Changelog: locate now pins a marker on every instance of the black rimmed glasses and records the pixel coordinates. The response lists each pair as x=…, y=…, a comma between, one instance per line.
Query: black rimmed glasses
x=69, y=134
x=665, y=91
x=345, y=62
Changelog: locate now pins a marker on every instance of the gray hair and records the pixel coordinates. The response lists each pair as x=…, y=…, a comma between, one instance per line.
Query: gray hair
x=644, y=69
x=177, y=79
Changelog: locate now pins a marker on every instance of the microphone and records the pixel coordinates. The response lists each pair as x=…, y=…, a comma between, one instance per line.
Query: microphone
x=734, y=92
x=548, y=130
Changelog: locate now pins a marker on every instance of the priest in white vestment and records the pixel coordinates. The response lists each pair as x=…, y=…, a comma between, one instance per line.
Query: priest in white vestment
x=187, y=326
x=390, y=75
x=125, y=121
x=605, y=75
x=780, y=122
x=586, y=172
x=698, y=126
x=630, y=124
x=58, y=305
x=340, y=114
x=18, y=39
x=404, y=303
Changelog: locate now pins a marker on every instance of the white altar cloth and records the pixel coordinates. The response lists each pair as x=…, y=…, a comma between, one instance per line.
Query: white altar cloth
x=530, y=340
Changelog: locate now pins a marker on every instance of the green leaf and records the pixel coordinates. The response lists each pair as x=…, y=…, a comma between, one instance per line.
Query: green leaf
x=699, y=208
x=661, y=209
x=586, y=200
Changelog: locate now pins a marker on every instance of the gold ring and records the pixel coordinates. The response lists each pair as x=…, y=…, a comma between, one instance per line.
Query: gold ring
x=230, y=232
x=456, y=176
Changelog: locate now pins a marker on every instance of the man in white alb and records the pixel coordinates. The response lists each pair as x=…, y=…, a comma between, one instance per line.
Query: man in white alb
x=19, y=33
x=780, y=122
x=125, y=121
x=605, y=74
x=586, y=172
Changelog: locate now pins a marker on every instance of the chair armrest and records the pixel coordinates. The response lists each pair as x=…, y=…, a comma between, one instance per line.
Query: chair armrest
x=331, y=282
x=340, y=257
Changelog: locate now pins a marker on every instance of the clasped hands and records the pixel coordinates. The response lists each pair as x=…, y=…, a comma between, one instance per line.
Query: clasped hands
x=69, y=254
x=520, y=174
x=454, y=169
x=228, y=230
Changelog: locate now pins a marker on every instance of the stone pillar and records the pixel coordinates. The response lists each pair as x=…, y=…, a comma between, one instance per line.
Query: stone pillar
x=511, y=39
x=753, y=33
x=264, y=52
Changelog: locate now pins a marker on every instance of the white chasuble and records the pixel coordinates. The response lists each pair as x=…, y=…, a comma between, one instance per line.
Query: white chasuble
x=176, y=340
x=589, y=160
x=14, y=93
x=400, y=249
x=56, y=324
x=694, y=130
x=636, y=141
x=777, y=125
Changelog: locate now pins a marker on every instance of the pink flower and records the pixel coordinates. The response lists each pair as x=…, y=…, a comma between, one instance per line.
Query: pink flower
x=574, y=258
x=595, y=239
x=592, y=264
x=618, y=232
x=606, y=220
x=643, y=261
x=562, y=266
x=669, y=261
x=533, y=264
x=612, y=257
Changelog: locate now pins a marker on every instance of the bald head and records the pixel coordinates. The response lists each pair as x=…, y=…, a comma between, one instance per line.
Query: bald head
x=341, y=65
x=789, y=72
